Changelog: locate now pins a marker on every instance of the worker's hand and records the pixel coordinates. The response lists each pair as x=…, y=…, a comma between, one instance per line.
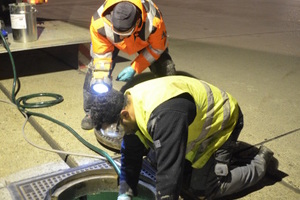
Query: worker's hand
x=126, y=74
x=124, y=197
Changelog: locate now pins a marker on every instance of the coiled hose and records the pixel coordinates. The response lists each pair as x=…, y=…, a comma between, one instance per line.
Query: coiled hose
x=22, y=105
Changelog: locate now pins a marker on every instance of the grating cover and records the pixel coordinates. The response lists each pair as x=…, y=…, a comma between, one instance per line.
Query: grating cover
x=36, y=188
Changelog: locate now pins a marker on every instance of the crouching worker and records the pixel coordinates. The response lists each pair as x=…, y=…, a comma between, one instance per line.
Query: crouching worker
x=133, y=27
x=191, y=126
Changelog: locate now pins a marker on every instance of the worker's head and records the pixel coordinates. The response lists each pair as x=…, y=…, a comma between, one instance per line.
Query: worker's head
x=125, y=18
x=106, y=108
x=114, y=108
x=127, y=116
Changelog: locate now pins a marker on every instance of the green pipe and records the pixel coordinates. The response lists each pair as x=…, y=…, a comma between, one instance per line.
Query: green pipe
x=22, y=104
x=13, y=65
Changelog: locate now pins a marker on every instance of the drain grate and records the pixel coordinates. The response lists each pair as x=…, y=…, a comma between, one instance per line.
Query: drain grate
x=36, y=188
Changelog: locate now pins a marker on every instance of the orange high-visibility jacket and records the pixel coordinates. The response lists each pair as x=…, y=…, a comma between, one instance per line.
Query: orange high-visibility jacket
x=149, y=38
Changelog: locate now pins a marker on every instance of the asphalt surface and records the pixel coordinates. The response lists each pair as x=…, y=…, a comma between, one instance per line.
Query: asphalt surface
x=249, y=48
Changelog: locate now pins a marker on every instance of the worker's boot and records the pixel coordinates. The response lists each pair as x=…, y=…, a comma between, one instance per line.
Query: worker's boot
x=272, y=168
x=266, y=154
x=87, y=123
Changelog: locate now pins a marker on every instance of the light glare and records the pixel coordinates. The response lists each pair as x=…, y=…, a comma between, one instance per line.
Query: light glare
x=100, y=88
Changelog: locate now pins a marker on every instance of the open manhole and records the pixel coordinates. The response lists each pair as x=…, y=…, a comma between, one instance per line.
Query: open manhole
x=95, y=181
x=95, y=184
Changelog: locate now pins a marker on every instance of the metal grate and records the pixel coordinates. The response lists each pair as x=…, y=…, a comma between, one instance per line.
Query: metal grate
x=36, y=188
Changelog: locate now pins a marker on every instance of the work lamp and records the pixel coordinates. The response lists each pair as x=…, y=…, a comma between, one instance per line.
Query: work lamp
x=100, y=86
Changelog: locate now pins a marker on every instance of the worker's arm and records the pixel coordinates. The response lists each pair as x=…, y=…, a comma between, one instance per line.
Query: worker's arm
x=132, y=151
x=168, y=126
x=101, y=49
x=157, y=45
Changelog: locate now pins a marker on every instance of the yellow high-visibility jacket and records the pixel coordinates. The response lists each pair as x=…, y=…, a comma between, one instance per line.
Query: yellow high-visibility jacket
x=217, y=113
x=149, y=39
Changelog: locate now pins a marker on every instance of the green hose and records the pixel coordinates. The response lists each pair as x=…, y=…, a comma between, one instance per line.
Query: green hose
x=22, y=104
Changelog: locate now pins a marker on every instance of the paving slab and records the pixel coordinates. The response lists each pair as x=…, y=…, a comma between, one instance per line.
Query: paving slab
x=266, y=92
x=70, y=112
x=20, y=160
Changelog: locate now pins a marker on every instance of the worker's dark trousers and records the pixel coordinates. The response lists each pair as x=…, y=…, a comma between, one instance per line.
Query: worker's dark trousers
x=164, y=66
x=205, y=182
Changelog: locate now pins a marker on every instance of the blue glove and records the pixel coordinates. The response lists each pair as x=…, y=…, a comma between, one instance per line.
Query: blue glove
x=126, y=74
x=124, y=197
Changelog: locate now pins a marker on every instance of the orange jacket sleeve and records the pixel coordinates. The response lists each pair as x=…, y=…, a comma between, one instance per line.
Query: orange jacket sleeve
x=157, y=45
x=102, y=48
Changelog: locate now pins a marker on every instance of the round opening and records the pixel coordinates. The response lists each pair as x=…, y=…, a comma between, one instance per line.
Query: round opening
x=95, y=184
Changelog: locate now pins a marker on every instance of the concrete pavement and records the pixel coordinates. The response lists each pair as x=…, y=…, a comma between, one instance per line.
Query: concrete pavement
x=248, y=48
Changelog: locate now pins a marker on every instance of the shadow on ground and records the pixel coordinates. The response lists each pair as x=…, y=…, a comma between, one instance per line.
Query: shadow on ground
x=39, y=61
x=42, y=61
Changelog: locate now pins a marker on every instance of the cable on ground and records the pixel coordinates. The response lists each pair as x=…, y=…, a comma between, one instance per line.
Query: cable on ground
x=22, y=105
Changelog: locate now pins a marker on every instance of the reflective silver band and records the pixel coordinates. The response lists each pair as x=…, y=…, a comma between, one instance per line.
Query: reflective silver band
x=149, y=19
x=208, y=121
x=109, y=32
x=148, y=56
x=104, y=55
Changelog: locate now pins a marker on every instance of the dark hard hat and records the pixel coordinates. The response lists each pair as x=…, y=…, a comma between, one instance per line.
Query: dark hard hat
x=124, y=18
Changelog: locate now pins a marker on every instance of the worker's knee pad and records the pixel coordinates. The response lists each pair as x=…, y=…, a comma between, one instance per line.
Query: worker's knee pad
x=221, y=169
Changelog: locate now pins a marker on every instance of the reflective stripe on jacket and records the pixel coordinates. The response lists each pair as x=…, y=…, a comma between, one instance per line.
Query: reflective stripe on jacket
x=149, y=39
x=217, y=113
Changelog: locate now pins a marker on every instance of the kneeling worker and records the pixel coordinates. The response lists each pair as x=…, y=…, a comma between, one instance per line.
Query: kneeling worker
x=189, y=124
